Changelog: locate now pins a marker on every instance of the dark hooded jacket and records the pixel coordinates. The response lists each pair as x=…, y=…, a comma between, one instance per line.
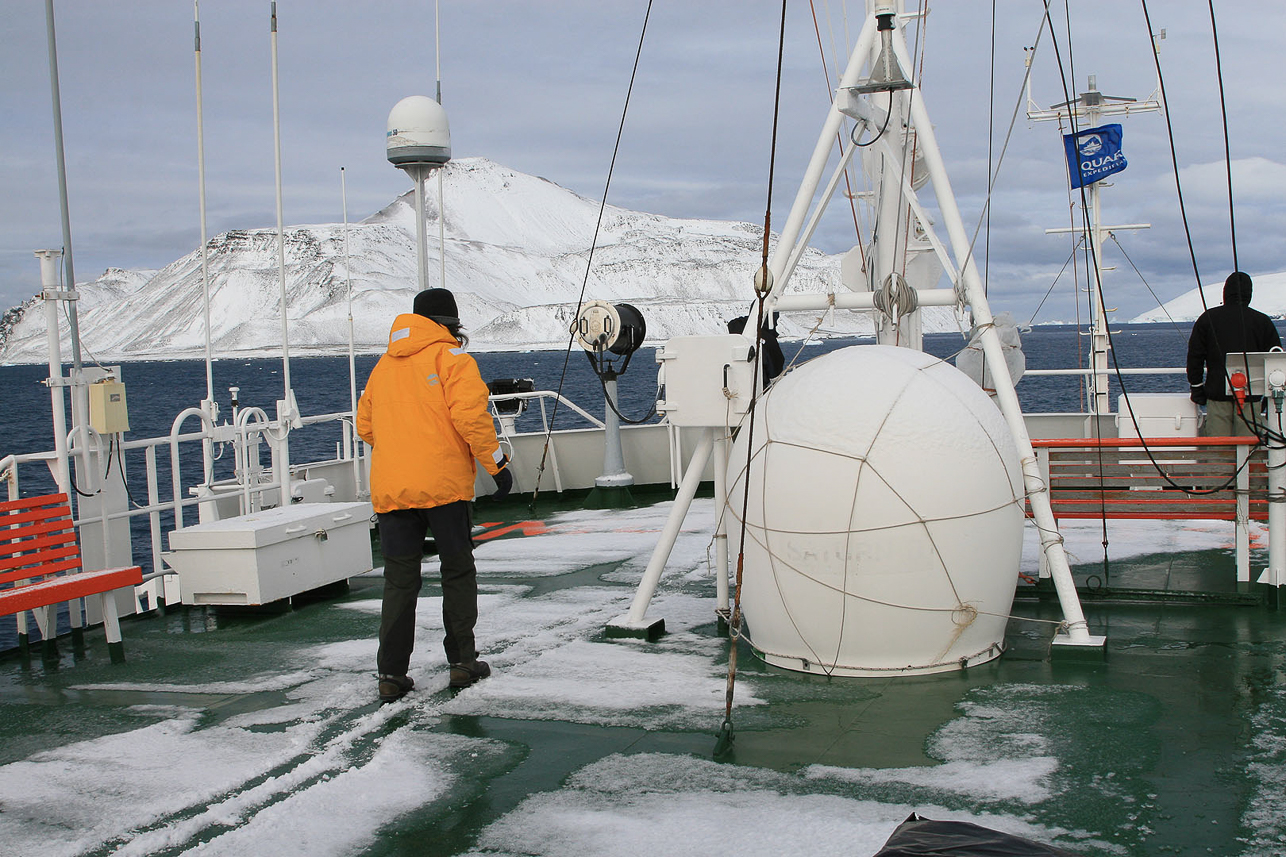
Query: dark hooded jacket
x=1225, y=329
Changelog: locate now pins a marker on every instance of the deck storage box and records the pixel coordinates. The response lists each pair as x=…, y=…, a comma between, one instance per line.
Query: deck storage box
x=1158, y=415
x=273, y=554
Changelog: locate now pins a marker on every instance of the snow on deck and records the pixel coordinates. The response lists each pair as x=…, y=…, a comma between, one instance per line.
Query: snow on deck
x=325, y=771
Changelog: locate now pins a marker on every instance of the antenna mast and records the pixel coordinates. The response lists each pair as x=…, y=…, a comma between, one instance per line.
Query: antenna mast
x=1086, y=111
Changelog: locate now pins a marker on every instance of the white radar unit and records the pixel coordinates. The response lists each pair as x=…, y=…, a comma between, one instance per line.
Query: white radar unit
x=418, y=133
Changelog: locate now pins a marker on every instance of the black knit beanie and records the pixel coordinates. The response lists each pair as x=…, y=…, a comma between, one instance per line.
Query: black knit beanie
x=437, y=305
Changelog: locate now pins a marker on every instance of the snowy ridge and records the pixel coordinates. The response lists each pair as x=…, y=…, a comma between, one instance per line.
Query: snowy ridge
x=516, y=250
x=1268, y=296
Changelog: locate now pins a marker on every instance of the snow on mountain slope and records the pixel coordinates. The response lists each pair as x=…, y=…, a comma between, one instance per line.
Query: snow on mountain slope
x=1268, y=296
x=516, y=250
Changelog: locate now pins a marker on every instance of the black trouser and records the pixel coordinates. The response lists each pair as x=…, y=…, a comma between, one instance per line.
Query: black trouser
x=402, y=543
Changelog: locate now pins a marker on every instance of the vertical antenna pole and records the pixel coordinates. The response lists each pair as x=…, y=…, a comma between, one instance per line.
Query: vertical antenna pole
x=354, y=442
x=281, y=229
x=62, y=183
x=286, y=411
x=442, y=206
x=200, y=170
x=208, y=405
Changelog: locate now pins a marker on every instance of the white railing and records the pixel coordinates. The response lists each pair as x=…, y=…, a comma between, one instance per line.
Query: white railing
x=251, y=483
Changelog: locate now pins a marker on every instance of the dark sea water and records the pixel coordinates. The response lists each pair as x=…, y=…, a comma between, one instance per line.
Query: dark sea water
x=159, y=390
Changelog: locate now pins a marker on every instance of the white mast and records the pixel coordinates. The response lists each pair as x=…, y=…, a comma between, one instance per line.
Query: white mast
x=442, y=202
x=208, y=405
x=287, y=411
x=881, y=36
x=1086, y=111
x=350, y=439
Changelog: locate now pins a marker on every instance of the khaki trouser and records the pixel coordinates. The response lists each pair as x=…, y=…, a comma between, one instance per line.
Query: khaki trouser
x=1223, y=420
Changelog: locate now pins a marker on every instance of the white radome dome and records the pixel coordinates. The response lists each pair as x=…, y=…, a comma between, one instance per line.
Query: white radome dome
x=889, y=539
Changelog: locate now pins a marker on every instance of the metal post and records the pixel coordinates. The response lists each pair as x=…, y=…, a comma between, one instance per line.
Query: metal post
x=1006, y=397
x=64, y=206
x=419, y=173
x=721, y=524
x=1275, y=574
x=821, y=154
x=614, y=473
x=634, y=623
x=57, y=399
x=287, y=411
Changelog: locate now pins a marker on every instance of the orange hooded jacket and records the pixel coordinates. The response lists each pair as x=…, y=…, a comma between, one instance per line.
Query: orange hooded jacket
x=424, y=410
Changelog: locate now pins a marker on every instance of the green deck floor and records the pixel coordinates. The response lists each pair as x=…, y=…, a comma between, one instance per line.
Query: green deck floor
x=1156, y=742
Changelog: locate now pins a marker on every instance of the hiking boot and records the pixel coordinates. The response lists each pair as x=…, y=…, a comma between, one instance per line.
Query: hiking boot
x=394, y=687
x=465, y=674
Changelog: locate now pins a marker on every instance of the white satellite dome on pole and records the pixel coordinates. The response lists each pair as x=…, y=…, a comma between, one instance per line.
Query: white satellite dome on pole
x=419, y=142
x=418, y=133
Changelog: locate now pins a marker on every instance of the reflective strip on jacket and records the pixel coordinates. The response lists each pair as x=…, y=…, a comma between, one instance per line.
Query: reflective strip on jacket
x=424, y=411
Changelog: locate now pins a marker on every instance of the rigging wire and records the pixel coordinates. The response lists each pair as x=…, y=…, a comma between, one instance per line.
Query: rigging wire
x=1174, y=160
x=1093, y=261
x=1170, y=482
x=1070, y=258
x=1232, y=220
x=848, y=184
x=589, y=262
x=1143, y=280
x=1227, y=154
x=724, y=743
x=1013, y=122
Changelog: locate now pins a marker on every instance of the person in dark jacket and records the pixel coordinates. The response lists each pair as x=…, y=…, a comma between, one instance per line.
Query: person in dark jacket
x=772, y=359
x=1220, y=331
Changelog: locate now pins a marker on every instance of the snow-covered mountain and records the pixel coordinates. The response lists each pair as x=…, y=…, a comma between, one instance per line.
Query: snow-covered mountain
x=1268, y=296
x=516, y=249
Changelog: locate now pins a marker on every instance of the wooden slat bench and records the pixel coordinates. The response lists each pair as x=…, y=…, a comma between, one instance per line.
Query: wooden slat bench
x=1115, y=479
x=40, y=566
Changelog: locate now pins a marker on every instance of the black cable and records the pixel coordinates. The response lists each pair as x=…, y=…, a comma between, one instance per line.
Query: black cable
x=1174, y=158
x=120, y=452
x=1093, y=264
x=611, y=404
x=856, y=128
x=1227, y=154
x=593, y=244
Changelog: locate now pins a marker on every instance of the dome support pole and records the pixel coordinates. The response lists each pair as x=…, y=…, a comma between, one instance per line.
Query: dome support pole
x=635, y=623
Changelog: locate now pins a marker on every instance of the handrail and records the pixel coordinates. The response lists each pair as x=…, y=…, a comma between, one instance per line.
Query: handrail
x=9, y=473
x=1170, y=370
x=1137, y=442
x=174, y=458
x=548, y=394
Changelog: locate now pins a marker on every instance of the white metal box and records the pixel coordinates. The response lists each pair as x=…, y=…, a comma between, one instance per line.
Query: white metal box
x=273, y=554
x=1158, y=415
x=707, y=380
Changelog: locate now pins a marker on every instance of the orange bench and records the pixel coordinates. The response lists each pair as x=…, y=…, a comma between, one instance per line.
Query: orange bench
x=40, y=567
x=1114, y=478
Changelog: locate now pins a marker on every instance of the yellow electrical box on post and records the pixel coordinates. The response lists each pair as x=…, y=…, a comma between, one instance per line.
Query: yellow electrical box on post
x=107, y=411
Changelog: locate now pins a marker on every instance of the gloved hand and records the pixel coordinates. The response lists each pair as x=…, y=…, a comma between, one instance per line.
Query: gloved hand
x=504, y=481
x=1198, y=394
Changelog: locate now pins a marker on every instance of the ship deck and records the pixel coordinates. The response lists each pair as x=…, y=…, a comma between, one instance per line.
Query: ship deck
x=258, y=732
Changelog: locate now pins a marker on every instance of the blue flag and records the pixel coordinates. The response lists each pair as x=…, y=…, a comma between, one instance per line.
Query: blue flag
x=1094, y=154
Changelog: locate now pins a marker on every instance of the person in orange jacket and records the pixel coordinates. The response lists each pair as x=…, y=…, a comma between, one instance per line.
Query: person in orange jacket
x=424, y=413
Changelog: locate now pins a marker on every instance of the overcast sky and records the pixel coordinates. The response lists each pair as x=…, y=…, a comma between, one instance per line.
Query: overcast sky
x=539, y=86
